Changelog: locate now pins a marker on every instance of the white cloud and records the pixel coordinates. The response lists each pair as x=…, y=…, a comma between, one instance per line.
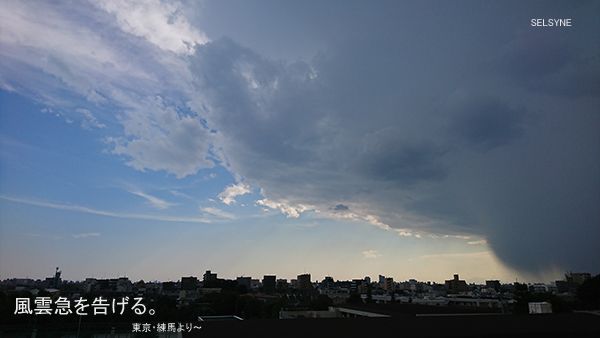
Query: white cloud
x=6, y=86
x=480, y=242
x=33, y=234
x=93, y=96
x=51, y=49
x=370, y=254
x=90, y=234
x=180, y=194
x=52, y=39
x=162, y=23
x=284, y=207
x=217, y=212
x=156, y=202
x=228, y=195
x=89, y=119
x=159, y=138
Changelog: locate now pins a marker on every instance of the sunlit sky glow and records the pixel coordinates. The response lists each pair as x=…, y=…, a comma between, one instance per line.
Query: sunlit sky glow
x=413, y=139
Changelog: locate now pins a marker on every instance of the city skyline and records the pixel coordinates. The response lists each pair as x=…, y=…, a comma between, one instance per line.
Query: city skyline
x=160, y=139
x=380, y=279
x=201, y=276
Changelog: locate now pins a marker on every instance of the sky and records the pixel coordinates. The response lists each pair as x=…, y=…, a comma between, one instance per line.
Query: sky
x=157, y=139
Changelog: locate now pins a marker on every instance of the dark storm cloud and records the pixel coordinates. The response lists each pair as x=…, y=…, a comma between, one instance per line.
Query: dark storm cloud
x=486, y=122
x=266, y=103
x=416, y=131
x=387, y=156
x=554, y=63
x=537, y=58
x=294, y=116
x=340, y=207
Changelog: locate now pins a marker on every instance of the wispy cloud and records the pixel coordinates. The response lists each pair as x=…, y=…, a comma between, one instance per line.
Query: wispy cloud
x=107, y=213
x=90, y=234
x=156, y=202
x=89, y=119
x=161, y=23
x=33, y=234
x=180, y=194
x=370, y=254
x=85, y=235
x=284, y=207
x=217, y=212
x=481, y=242
x=6, y=86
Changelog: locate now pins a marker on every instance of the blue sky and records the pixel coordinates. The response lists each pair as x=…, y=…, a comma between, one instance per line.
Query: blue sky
x=159, y=139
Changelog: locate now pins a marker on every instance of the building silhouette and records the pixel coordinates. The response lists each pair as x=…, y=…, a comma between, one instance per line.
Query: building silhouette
x=455, y=285
x=576, y=277
x=304, y=283
x=388, y=284
x=209, y=276
x=189, y=283
x=269, y=283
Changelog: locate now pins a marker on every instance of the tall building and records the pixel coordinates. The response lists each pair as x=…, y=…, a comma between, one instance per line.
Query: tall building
x=269, y=283
x=327, y=283
x=455, y=285
x=304, y=283
x=209, y=277
x=388, y=284
x=576, y=277
x=359, y=285
x=53, y=282
x=56, y=282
